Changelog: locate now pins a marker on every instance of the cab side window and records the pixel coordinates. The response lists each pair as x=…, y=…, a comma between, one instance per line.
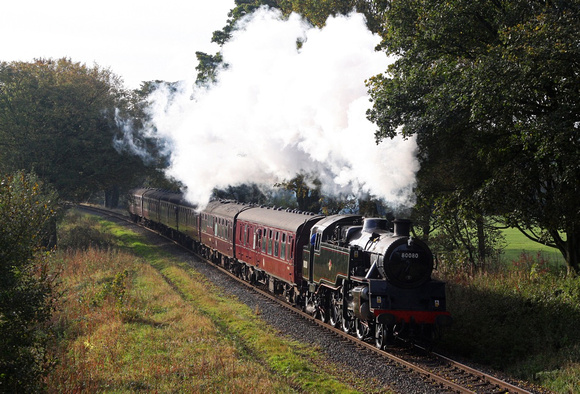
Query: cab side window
x=317, y=242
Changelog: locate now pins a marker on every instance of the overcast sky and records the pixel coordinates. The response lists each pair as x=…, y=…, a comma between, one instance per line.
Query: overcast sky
x=139, y=40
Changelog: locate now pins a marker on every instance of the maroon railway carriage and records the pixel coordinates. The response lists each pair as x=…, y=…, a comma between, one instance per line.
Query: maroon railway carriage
x=218, y=221
x=145, y=205
x=269, y=243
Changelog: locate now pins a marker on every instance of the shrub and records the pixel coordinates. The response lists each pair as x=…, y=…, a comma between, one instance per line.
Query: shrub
x=26, y=286
x=82, y=232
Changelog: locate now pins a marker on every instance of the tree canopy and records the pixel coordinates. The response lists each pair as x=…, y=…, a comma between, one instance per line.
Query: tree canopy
x=495, y=85
x=60, y=118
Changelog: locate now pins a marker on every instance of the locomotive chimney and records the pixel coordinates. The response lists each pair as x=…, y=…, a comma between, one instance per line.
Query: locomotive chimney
x=402, y=227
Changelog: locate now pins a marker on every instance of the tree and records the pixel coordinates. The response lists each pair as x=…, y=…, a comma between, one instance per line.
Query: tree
x=317, y=11
x=207, y=67
x=307, y=191
x=503, y=78
x=143, y=156
x=245, y=193
x=59, y=118
x=26, y=288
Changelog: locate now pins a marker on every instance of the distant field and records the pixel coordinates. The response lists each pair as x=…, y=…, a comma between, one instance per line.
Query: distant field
x=517, y=243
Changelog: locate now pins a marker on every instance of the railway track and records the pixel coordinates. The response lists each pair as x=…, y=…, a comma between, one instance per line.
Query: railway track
x=445, y=374
x=449, y=375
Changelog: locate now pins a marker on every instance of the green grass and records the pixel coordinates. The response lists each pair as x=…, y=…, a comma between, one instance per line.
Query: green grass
x=517, y=243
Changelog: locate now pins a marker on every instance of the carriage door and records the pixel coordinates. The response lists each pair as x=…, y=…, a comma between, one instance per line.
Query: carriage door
x=250, y=241
x=257, y=246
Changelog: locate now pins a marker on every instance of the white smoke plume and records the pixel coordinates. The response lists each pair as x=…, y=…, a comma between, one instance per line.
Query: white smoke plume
x=278, y=110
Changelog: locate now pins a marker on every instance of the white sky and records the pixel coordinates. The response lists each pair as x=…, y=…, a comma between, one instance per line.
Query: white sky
x=139, y=40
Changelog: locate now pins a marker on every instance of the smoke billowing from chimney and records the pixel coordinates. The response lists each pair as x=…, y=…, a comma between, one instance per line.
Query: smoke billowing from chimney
x=278, y=110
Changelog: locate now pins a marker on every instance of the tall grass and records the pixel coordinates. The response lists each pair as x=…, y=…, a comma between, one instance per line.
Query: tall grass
x=521, y=318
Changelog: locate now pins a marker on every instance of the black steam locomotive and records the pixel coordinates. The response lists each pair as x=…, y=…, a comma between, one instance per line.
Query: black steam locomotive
x=352, y=272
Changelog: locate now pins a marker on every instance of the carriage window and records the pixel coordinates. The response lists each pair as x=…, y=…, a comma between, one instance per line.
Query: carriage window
x=283, y=247
x=256, y=238
x=277, y=244
x=264, y=240
x=291, y=242
x=270, y=242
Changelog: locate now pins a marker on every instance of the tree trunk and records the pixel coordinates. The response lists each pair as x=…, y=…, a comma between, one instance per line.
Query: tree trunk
x=112, y=197
x=570, y=248
x=573, y=252
x=481, y=249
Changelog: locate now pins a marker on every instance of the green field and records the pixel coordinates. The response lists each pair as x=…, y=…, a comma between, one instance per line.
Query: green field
x=517, y=243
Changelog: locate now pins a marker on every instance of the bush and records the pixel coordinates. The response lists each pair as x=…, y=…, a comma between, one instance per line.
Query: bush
x=26, y=287
x=82, y=232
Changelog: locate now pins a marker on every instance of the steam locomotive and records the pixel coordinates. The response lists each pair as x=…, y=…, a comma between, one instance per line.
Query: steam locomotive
x=365, y=275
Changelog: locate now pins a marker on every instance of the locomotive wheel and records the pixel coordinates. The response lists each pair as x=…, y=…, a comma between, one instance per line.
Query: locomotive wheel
x=323, y=313
x=362, y=329
x=381, y=336
x=324, y=304
x=348, y=324
x=335, y=315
